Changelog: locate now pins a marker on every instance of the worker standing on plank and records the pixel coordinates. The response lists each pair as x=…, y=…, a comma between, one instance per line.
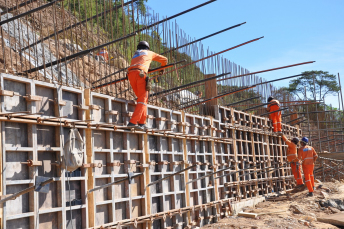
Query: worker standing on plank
x=308, y=156
x=276, y=117
x=137, y=74
x=293, y=159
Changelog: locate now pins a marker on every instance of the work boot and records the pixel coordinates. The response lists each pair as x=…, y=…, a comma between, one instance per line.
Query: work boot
x=136, y=127
x=132, y=125
x=143, y=126
x=299, y=186
x=310, y=194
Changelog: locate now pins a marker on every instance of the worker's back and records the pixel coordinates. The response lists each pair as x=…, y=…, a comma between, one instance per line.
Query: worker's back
x=143, y=58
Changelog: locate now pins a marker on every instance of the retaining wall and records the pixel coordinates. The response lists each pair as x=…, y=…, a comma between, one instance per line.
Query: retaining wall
x=176, y=141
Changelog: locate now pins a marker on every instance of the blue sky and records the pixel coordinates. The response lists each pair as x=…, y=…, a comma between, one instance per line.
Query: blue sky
x=294, y=31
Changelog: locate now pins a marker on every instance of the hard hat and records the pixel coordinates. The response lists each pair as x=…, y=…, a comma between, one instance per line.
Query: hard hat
x=270, y=98
x=304, y=140
x=295, y=140
x=143, y=45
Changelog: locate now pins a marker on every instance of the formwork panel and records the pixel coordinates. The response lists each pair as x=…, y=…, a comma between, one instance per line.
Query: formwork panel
x=233, y=139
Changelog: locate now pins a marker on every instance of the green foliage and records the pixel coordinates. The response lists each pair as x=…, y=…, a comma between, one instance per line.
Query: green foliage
x=303, y=87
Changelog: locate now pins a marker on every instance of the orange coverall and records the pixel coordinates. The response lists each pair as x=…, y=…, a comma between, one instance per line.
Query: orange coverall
x=277, y=116
x=293, y=159
x=307, y=155
x=104, y=53
x=141, y=62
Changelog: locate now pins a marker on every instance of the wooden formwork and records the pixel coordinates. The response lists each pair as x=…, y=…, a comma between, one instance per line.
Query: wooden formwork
x=175, y=141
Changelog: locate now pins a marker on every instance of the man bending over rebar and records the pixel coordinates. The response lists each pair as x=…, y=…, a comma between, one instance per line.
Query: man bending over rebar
x=137, y=74
x=292, y=157
x=276, y=117
x=308, y=156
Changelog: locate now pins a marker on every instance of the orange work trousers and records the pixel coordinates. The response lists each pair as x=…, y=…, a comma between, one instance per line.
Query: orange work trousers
x=276, y=121
x=139, y=87
x=309, y=177
x=296, y=172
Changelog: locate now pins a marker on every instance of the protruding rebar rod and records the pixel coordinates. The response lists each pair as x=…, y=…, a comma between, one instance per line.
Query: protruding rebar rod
x=242, y=101
x=250, y=108
x=294, y=120
x=226, y=50
x=84, y=52
x=219, y=96
x=189, y=84
x=268, y=70
x=125, y=78
x=282, y=109
x=200, y=39
x=299, y=122
x=28, y=12
x=77, y=24
x=17, y=7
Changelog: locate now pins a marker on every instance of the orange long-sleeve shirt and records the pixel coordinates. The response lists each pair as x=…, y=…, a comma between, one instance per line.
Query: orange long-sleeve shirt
x=143, y=58
x=291, y=151
x=307, y=155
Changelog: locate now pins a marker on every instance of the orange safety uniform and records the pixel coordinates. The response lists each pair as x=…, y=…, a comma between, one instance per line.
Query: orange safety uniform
x=294, y=160
x=141, y=62
x=307, y=155
x=104, y=53
x=277, y=116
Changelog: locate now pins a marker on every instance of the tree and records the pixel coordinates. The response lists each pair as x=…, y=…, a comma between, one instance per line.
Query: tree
x=303, y=87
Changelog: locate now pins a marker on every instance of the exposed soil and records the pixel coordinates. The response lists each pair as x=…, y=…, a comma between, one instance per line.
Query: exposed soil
x=281, y=213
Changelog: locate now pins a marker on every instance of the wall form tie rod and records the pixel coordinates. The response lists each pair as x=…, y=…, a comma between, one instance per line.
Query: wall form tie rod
x=171, y=175
x=228, y=174
x=84, y=52
x=17, y=7
x=115, y=182
x=237, y=46
x=282, y=109
x=76, y=24
x=30, y=189
x=195, y=41
x=268, y=70
x=28, y=12
x=210, y=174
x=189, y=84
x=125, y=78
x=231, y=104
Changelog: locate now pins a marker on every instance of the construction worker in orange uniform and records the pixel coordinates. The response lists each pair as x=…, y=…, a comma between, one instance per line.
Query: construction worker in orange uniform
x=308, y=156
x=293, y=159
x=137, y=74
x=104, y=53
x=276, y=117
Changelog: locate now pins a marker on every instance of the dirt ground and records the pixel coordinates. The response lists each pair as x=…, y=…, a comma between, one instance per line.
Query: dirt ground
x=281, y=213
